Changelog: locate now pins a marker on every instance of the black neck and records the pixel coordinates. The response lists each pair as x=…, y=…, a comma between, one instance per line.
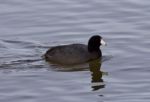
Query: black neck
x=93, y=48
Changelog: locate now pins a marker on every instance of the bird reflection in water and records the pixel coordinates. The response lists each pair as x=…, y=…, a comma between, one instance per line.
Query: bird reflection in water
x=94, y=67
x=96, y=75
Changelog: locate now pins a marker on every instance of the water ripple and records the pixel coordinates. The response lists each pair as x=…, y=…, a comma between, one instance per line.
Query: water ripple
x=28, y=28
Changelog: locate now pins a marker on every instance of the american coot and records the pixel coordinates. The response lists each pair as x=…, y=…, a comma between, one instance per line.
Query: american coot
x=76, y=53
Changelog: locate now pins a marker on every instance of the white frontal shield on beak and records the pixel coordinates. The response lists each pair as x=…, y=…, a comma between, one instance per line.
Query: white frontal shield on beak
x=103, y=43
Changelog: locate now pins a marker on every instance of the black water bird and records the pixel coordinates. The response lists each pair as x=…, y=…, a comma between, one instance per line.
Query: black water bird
x=76, y=53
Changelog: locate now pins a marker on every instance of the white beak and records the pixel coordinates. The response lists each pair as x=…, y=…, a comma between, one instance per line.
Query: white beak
x=103, y=43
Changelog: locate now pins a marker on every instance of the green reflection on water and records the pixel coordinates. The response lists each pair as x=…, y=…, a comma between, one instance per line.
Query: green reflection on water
x=96, y=75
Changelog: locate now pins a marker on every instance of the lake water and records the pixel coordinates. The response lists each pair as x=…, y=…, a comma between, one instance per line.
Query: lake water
x=29, y=27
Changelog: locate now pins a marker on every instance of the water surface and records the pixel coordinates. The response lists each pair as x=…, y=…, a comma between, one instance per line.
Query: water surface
x=28, y=28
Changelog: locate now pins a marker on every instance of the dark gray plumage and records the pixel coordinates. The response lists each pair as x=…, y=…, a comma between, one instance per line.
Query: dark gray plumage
x=76, y=53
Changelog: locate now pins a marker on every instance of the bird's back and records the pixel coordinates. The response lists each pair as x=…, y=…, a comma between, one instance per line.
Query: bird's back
x=68, y=54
